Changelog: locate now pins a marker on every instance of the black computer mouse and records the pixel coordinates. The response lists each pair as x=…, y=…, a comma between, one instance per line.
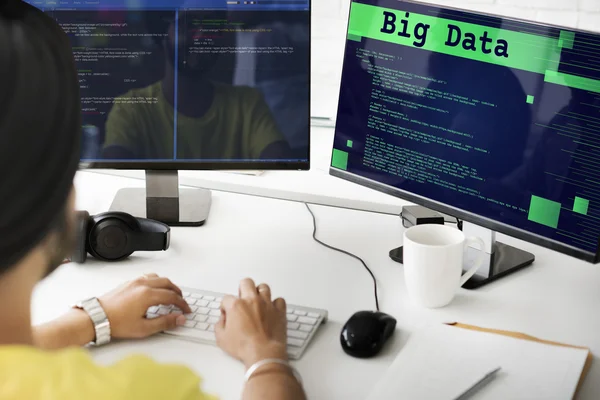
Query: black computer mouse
x=365, y=333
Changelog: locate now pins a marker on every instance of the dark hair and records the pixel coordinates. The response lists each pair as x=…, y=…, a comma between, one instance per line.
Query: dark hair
x=40, y=127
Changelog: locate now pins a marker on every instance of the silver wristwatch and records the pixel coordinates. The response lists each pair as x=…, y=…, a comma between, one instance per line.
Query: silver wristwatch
x=101, y=324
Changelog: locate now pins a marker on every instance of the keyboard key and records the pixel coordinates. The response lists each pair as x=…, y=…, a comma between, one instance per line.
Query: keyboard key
x=292, y=318
x=211, y=298
x=193, y=333
x=176, y=310
x=196, y=295
x=194, y=308
x=190, y=317
x=203, y=310
x=162, y=310
x=213, y=320
x=294, y=352
x=293, y=325
x=313, y=315
x=300, y=312
x=214, y=305
x=200, y=318
x=297, y=334
x=290, y=310
x=201, y=326
x=152, y=316
x=211, y=328
x=295, y=342
x=189, y=324
x=202, y=303
x=191, y=301
x=153, y=310
x=307, y=320
x=219, y=299
x=305, y=328
x=185, y=294
x=215, y=313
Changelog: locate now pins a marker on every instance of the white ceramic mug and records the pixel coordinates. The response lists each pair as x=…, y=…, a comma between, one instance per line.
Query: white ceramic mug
x=433, y=263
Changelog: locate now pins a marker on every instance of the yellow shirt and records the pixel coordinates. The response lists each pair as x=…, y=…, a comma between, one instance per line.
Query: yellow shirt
x=28, y=373
x=237, y=126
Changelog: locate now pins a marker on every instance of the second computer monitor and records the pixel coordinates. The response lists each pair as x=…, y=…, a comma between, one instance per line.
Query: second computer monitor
x=493, y=120
x=191, y=84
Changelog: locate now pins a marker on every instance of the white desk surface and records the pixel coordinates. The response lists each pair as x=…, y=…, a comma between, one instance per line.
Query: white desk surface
x=270, y=240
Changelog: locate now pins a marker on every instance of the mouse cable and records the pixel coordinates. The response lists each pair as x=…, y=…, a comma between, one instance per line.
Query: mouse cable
x=314, y=235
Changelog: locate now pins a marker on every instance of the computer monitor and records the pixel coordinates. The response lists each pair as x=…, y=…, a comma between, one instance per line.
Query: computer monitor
x=170, y=85
x=492, y=120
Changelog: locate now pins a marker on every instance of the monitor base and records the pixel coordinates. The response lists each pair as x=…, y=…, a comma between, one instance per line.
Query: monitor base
x=504, y=260
x=163, y=201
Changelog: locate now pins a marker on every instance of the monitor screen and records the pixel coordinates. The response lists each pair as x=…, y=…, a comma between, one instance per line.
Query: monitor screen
x=206, y=82
x=492, y=119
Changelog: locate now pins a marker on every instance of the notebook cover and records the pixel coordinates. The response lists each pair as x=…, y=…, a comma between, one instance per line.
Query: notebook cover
x=518, y=335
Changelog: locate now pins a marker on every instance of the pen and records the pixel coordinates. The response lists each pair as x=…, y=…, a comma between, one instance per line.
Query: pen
x=478, y=385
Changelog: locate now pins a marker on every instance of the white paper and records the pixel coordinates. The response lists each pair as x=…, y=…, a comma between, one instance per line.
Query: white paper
x=441, y=362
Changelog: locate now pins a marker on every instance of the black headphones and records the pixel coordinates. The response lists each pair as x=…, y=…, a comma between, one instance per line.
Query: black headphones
x=113, y=236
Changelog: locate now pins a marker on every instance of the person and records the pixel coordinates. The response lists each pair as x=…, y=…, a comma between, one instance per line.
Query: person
x=283, y=78
x=215, y=121
x=40, y=127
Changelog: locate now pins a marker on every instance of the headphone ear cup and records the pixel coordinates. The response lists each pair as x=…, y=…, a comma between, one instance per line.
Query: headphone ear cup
x=82, y=220
x=109, y=239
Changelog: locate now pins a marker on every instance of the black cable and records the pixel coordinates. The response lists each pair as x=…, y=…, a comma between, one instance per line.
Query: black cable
x=314, y=235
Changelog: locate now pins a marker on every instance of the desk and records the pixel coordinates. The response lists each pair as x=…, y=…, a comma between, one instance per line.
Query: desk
x=270, y=240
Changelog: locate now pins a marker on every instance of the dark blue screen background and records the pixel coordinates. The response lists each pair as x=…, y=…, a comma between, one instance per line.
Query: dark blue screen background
x=257, y=55
x=549, y=149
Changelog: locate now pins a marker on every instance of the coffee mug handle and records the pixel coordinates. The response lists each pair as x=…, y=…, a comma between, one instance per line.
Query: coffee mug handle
x=467, y=275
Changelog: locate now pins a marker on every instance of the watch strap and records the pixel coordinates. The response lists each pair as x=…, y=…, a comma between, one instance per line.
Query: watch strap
x=101, y=324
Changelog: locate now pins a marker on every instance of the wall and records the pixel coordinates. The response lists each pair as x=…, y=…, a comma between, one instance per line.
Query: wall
x=329, y=31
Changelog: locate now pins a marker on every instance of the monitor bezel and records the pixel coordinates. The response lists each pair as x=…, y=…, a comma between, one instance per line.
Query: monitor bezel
x=461, y=214
x=199, y=165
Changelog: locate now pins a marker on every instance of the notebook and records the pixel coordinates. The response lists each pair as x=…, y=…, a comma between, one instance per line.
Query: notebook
x=442, y=361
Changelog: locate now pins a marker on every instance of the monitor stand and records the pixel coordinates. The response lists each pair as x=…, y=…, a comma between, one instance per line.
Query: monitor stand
x=162, y=200
x=500, y=259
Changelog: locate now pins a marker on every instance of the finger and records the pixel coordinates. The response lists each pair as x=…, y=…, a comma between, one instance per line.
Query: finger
x=280, y=305
x=247, y=289
x=166, y=297
x=150, y=275
x=163, y=323
x=163, y=283
x=264, y=291
x=227, y=304
x=220, y=326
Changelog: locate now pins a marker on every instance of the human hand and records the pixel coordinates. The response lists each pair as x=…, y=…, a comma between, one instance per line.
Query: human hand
x=126, y=307
x=252, y=327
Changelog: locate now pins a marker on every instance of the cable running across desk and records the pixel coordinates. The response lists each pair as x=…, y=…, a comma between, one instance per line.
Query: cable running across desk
x=314, y=235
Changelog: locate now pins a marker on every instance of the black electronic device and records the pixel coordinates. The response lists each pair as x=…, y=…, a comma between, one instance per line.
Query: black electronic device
x=114, y=236
x=365, y=333
x=417, y=215
x=185, y=104
x=497, y=142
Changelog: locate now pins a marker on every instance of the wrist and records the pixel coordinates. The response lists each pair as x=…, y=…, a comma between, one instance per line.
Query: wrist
x=263, y=351
x=83, y=327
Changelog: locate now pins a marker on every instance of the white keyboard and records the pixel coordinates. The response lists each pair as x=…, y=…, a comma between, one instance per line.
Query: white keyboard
x=302, y=322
